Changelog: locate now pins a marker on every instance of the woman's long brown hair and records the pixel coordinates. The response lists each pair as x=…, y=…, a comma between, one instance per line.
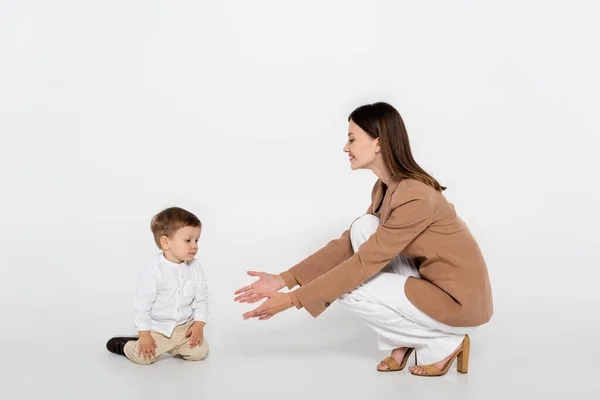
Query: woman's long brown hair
x=381, y=120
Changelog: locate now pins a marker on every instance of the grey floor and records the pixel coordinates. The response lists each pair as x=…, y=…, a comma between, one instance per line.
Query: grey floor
x=545, y=348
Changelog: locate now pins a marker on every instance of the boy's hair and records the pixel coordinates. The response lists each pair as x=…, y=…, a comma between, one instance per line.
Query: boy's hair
x=169, y=220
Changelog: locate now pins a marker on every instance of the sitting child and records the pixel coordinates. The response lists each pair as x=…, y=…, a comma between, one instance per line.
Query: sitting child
x=171, y=302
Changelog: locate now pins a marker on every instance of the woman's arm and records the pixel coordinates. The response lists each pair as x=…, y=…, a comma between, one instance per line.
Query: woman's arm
x=318, y=263
x=412, y=213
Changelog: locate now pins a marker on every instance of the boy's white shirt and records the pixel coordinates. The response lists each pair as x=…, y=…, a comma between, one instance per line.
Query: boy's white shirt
x=170, y=294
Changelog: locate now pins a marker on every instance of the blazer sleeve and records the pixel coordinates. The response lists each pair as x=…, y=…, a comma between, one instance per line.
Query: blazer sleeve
x=411, y=214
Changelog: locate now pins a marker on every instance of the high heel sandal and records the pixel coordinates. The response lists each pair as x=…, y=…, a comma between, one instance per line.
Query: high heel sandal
x=462, y=365
x=393, y=364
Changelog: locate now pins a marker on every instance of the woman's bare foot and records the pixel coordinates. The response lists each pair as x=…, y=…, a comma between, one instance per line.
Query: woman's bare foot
x=439, y=365
x=397, y=354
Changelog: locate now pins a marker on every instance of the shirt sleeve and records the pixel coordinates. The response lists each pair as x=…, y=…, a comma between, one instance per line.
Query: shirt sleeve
x=411, y=215
x=145, y=296
x=200, y=303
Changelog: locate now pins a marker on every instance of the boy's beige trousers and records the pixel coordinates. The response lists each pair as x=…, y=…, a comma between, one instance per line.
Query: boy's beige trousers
x=177, y=344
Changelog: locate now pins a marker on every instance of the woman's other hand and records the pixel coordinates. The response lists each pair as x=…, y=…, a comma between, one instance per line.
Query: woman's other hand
x=276, y=303
x=265, y=286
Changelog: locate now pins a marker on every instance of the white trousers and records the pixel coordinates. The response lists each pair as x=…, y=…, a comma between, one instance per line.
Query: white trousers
x=380, y=302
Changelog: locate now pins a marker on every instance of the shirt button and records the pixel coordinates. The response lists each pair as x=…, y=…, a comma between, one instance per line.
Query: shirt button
x=327, y=304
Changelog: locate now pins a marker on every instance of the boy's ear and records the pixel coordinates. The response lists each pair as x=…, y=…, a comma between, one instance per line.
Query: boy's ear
x=164, y=242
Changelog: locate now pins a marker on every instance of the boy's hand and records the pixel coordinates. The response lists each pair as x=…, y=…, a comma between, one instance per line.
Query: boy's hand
x=146, y=345
x=196, y=331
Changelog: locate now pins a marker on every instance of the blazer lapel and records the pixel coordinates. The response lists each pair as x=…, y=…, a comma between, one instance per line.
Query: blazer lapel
x=385, y=207
x=377, y=197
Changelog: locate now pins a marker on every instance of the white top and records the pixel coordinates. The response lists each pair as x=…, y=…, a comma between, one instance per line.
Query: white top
x=169, y=295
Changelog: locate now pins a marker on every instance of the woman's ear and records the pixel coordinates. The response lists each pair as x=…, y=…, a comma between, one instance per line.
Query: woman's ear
x=164, y=243
x=377, y=146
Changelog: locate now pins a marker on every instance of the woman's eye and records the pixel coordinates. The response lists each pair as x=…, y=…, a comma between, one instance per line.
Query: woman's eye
x=188, y=240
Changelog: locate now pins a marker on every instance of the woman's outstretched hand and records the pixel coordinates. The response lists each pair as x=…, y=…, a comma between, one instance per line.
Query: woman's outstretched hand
x=276, y=303
x=265, y=286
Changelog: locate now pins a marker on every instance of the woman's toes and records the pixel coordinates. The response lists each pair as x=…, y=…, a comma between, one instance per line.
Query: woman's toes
x=417, y=370
x=382, y=367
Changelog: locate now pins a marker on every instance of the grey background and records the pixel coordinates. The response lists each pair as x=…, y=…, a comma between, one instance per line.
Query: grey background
x=110, y=111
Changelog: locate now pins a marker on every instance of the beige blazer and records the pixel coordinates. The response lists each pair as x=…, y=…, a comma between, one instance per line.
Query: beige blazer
x=419, y=222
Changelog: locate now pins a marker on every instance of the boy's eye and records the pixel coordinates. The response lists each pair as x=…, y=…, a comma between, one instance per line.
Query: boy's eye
x=187, y=240
x=350, y=140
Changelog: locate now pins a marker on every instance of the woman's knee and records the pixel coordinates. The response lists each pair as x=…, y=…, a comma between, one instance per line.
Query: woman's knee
x=362, y=228
x=367, y=222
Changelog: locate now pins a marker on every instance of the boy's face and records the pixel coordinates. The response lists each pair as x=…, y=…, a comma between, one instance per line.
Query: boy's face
x=183, y=245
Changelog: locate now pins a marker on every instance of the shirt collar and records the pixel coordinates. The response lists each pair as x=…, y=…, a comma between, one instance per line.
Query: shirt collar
x=170, y=263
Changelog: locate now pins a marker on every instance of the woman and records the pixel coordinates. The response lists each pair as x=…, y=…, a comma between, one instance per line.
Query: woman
x=409, y=268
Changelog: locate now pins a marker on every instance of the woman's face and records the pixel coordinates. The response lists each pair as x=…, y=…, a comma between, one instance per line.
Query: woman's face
x=361, y=148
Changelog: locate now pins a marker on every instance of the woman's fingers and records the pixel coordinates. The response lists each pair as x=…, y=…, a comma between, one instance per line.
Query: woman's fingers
x=255, y=273
x=253, y=313
x=243, y=297
x=260, y=313
x=254, y=298
x=265, y=315
x=249, y=297
x=242, y=290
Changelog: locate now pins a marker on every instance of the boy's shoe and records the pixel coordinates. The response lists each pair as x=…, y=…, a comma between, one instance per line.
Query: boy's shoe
x=116, y=344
